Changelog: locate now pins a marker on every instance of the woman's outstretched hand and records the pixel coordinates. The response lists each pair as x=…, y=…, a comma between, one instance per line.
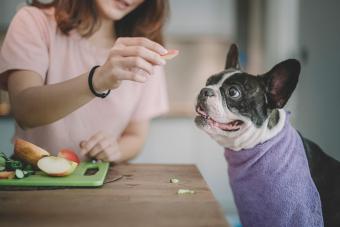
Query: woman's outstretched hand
x=129, y=59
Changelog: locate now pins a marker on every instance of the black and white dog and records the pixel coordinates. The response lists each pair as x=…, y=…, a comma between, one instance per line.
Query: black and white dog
x=278, y=178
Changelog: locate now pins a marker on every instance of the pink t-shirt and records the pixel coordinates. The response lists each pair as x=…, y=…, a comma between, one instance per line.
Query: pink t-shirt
x=33, y=42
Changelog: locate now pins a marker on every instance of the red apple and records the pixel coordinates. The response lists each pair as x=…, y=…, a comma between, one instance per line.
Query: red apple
x=29, y=152
x=69, y=155
x=57, y=166
x=170, y=54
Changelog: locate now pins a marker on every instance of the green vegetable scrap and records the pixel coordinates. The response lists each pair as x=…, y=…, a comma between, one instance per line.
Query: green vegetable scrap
x=174, y=181
x=19, y=173
x=13, y=165
x=2, y=163
x=185, y=192
x=28, y=172
x=2, y=154
x=21, y=170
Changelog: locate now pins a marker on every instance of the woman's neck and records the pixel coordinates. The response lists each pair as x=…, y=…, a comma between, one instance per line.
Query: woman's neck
x=104, y=36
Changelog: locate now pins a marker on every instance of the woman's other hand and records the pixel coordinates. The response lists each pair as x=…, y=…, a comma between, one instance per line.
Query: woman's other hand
x=101, y=146
x=129, y=59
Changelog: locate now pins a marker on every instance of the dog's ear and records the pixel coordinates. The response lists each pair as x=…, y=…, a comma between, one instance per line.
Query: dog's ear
x=232, y=58
x=281, y=81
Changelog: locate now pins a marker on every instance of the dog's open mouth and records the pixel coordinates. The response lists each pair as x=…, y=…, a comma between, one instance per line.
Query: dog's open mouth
x=231, y=126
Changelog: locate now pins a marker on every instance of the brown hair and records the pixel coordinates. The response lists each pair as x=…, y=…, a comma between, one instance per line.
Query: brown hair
x=146, y=20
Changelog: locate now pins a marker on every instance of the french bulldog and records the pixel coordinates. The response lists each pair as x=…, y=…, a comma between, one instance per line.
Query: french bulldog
x=278, y=178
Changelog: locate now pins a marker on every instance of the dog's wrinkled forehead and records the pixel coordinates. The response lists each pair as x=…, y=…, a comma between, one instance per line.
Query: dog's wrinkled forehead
x=240, y=93
x=219, y=78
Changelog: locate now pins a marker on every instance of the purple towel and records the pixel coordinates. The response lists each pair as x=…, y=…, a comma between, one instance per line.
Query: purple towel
x=272, y=185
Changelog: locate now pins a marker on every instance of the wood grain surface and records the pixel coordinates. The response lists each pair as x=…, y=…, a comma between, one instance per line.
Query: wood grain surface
x=142, y=197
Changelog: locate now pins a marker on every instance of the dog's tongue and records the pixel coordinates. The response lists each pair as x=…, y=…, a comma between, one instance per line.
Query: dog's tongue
x=225, y=126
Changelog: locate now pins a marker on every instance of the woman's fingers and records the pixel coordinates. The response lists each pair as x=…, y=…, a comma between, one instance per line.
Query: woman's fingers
x=140, y=41
x=137, y=62
x=102, y=145
x=89, y=144
x=134, y=74
x=101, y=156
x=108, y=157
x=131, y=58
x=142, y=52
x=110, y=154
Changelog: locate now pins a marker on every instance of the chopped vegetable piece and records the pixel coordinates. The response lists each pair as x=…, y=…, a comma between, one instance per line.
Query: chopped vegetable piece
x=19, y=174
x=7, y=175
x=185, y=191
x=2, y=154
x=170, y=54
x=2, y=160
x=29, y=167
x=14, y=168
x=13, y=165
x=28, y=172
x=174, y=181
x=2, y=163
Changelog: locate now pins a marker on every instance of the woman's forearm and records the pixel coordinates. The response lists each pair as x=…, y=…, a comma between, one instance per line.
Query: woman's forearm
x=132, y=140
x=39, y=105
x=130, y=146
x=35, y=104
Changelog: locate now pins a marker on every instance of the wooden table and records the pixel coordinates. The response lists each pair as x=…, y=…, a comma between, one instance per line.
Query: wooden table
x=142, y=197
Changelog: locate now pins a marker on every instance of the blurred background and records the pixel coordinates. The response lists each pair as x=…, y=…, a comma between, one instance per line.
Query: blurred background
x=267, y=32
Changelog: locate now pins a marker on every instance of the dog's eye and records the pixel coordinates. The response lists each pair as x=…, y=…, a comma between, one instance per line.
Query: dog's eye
x=234, y=92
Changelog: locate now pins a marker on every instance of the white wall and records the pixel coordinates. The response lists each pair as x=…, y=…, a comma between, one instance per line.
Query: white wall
x=281, y=39
x=319, y=89
x=282, y=30
x=312, y=26
x=192, y=18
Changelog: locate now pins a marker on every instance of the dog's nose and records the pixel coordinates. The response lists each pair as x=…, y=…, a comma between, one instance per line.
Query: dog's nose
x=207, y=92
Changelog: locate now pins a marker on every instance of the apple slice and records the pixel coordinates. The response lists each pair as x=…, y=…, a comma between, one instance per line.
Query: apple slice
x=7, y=175
x=170, y=54
x=56, y=166
x=29, y=152
x=69, y=155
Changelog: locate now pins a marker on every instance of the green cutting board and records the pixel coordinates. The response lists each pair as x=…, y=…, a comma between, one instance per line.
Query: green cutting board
x=76, y=179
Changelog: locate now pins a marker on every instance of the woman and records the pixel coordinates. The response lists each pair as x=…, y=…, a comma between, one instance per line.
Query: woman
x=59, y=62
